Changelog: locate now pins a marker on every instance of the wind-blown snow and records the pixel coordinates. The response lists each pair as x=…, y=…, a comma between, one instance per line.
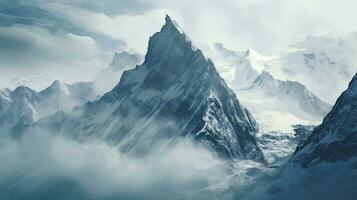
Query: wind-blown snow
x=175, y=93
x=110, y=76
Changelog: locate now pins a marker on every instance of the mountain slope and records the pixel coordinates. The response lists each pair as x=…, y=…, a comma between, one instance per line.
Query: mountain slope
x=17, y=108
x=323, y=165
x=276, y=104
x=336, y=138
x=23, y=106
x=324, y=64
x=175, y=93
x=296, y=98
x=239, y=68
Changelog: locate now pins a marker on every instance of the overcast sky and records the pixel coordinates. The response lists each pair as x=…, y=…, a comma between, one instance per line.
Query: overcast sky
x=75, y=39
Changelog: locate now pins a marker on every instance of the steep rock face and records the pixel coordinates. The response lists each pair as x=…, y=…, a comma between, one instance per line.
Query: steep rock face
x=336, y=138
x=175, y=93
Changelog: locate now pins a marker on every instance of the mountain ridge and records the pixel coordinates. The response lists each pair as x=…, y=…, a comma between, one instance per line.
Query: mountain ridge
x=335, y=139
x=175, y=93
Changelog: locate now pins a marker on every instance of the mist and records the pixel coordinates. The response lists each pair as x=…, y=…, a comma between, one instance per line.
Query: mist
x=40, y=162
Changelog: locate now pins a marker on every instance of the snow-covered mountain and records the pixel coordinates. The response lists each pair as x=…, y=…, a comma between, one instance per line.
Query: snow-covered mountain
x=17, y=108
x=175, y=93
x=36, y=82
x=23, y=106
x=239, y=68
x=276, y=104
x=110, y=76
x=323, y=165
x=60, y=96
x=323, y=64
x=292, y=95
x=335, y=139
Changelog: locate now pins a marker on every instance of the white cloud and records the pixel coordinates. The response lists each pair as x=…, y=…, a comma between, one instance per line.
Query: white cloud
x=267, y=26
x=135, y=29
x=103, y=171
x=29, y=50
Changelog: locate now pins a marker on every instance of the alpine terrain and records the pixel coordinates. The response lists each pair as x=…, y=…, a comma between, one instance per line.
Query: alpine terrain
x=323, y=165
x=175, y=93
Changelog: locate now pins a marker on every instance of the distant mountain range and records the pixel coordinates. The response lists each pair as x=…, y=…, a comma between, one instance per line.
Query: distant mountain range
x=277, y=104
x=23, y=106
x=175, y=93
x=324, y=64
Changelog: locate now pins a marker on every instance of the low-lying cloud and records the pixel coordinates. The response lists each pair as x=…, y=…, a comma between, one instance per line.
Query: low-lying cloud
x=34, y=163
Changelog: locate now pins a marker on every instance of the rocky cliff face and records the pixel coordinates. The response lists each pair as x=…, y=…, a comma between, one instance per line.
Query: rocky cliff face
x=175, y=93
x=336, y=138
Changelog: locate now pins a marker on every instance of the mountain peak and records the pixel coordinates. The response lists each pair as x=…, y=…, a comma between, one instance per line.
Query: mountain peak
x=175, y=93
x=170, y=22
x=57, y=86
x=22, y=92
x=23, y=89
x=124, y=60
x=56, y=83
x=170, y=42
x=264, y=78
x=172, y=28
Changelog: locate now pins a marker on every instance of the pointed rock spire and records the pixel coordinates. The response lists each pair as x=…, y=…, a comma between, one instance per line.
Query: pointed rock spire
x=170, y=41
x=175, y=93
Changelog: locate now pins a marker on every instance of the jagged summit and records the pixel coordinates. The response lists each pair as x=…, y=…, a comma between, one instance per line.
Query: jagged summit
x=57, y=87
x=23, y=92
x=175, y=93
x=306, y=104
x=57, y=84
x=23, y=106
x=170, y=22
x=264, y=78
x=171, y=39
